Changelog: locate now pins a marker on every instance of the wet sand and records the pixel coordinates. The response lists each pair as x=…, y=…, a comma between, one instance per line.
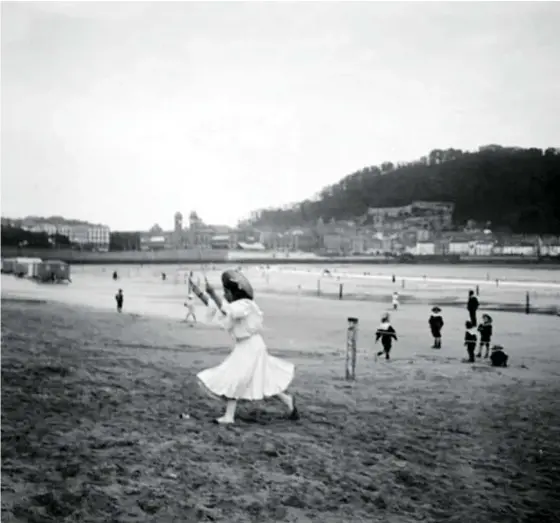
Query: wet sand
x=91, y=429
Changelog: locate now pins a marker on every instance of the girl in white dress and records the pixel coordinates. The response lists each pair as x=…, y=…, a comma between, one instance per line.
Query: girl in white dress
x=249, y=372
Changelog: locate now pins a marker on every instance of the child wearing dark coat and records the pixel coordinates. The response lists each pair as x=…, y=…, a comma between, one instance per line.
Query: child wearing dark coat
x=386, y=333
x=498, y=358
x=470, y=340
x=119, y=298
x=436, y=324
x=485, y=330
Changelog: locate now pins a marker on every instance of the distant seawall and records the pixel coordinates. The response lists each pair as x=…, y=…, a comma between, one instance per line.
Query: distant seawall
x=120, y=257
x=194, y=256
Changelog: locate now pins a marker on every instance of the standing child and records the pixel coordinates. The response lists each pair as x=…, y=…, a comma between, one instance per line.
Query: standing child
x=470, y=340
x=189, y=304
x=395, y=300
x=485, y=329
x=119, y=298
x=436, y=324
x=386, y=333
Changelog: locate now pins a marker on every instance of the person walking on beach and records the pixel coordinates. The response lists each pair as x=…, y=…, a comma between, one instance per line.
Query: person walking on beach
x=485, y=330
x=472, y=307
x=249, y=372
x=189, y=304
x=395, y=300
x=115, y=276
x=470, y=340
x=436, y=324
x=119, y=298
x=386, y=333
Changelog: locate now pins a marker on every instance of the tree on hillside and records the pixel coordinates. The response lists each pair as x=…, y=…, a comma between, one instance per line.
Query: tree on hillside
x=512, y=187
x=18, y=237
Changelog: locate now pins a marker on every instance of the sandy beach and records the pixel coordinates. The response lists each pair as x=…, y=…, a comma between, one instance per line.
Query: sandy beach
x=91, y=427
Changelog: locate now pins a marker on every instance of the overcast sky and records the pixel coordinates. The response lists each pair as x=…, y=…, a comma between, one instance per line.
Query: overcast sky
x=123, y=113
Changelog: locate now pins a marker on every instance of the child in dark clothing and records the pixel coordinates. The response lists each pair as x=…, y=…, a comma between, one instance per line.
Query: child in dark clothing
x=485, y=329
x=386, y=334
x=498, y=358
x=119, y=298
x=436, y=324
x=470, y=340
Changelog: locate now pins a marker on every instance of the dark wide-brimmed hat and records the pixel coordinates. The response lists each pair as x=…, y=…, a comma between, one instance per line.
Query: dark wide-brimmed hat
x=487, y=317
x=436, y=309
x=497, y=347
x=237, y=283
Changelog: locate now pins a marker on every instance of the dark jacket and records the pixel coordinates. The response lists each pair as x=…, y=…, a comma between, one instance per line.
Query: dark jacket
x=436, y=324
x=470, y=337
x=498, y=358
x=472, y=304
x=386, y=334
x=485, y=330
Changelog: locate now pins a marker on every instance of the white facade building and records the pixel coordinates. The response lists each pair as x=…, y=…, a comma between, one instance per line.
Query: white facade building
x=98, y=236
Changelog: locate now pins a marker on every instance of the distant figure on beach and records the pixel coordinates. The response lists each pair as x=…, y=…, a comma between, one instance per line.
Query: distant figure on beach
x=189, y=304
x=386, y=333
x=163, y=276
x=436, y=324
x=119, y=298
x=498, y=358
x=470, y=340
x=115, y=276
x=485, y=330
x=472, y=307
x=249, y=372
x=395, y=300
x=394, y=278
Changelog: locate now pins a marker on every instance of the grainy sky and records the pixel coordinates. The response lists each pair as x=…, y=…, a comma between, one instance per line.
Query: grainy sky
x=123, y=113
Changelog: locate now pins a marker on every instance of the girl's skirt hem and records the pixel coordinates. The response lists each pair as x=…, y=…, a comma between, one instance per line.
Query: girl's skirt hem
x=248, y=373
x=216, y=396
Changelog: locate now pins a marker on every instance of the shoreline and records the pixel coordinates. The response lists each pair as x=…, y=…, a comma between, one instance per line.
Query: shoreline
x=234, y=258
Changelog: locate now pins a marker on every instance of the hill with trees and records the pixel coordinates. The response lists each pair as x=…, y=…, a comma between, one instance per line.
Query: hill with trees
x=515, y=189
x=18, y=237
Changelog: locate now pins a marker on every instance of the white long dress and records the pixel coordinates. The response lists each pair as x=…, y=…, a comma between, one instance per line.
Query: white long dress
x=249, y=372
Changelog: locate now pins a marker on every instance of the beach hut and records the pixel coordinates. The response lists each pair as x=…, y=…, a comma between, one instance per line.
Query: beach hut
x=26, y=267
x=8, y=265
x=52, y=270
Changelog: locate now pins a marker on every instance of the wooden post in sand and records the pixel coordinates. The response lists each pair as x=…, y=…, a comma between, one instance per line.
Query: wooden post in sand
x=351, y=341
x=527, y=303
x=340, y=291
x=319, y=287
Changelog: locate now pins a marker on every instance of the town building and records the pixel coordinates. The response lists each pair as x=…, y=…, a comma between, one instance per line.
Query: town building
x=81, y=234
x=419, y=215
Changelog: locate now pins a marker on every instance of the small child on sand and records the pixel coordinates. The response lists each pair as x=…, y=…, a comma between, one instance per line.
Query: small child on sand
x=498, y=358
x=470, y=340
x=485, y=329
x=395, y=300
x=386, y=333
x=119, y=298
x=189, y=304
x=436, y=324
